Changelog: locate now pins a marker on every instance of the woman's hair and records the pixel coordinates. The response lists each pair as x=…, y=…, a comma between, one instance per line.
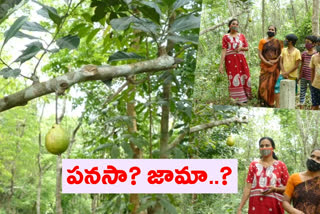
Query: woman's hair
x=272, y=144
x=231, y=22
x=275, y=28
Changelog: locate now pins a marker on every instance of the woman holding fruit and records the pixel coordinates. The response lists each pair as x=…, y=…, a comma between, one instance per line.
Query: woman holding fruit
x=266, y=181
x=233, y=46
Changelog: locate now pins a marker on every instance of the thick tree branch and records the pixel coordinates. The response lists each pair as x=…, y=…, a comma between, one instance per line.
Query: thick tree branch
x=201, y=127
x=87, y=73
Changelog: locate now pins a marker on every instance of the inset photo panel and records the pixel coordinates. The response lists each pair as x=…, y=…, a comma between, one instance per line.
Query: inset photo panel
x=278, y=154
x=259, y=53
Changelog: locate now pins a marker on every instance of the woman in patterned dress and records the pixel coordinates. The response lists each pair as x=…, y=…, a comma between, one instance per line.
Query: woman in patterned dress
x=266, y=182
x=303, y=188
x=233, y=46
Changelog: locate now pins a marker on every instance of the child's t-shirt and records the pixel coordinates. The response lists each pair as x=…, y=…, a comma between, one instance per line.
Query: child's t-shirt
x=315, y=63
x=289, y=61
x=306, y=70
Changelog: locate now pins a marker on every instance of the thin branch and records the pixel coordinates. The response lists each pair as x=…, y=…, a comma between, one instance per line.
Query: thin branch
x=115, y=94
x=73, y=138
x=201, y=127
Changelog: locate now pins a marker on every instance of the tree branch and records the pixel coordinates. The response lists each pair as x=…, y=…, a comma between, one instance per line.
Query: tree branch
x=201, y=127
x=86, y=73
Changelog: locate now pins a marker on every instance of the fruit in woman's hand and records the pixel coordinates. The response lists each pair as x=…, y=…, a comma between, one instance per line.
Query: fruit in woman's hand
x=230, y=141
x=57, y=140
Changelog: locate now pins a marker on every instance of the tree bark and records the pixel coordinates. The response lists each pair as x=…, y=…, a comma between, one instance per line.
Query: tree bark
x=316, y=133
x=38, y=203
x=262, y=18
x=165, y=107
x=132, y=128
x=315, y=18
x=87, y=73
x=58, y=185
x=306, y=5
x=293, y=13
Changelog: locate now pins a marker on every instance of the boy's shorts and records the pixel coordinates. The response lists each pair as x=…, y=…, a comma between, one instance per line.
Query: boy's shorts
x=277, y=86
x=315, y=96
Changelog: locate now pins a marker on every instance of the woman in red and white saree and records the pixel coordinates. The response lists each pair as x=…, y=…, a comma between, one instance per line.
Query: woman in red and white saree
x=266, y=182
x=233, y=46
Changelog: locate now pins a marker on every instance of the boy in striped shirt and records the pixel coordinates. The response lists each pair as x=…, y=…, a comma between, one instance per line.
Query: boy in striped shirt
x=305, y=70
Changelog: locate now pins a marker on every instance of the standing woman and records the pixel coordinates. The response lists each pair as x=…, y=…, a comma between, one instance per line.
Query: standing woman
x=266, y=182
x=233, y=46
x=303, y=188
x=269, y=53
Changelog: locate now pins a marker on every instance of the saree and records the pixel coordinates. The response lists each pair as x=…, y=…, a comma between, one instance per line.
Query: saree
x=237, y=68
x=260, y=178
x=269, y=73
x=306, y=196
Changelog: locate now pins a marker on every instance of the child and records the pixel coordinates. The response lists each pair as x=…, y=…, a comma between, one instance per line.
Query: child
x=289, y=63
x=305, y=70
x=315, y=78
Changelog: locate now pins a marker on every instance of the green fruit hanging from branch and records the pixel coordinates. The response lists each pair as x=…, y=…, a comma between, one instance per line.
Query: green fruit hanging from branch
x=230, y=141
x=57, y=140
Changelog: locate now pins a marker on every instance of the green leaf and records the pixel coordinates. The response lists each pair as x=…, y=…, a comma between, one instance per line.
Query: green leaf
x=115, y=151
x=49, y=13
x=8, y=72
x=14, y=29
x=33, y=26
x=178, y=39
x=92, y=35
x=99, y=12
x=146, y=26
x=128, y=150
x=103, y=146
x=168, y=206
x=185, y=23
x=70, y=42
x=180, y=3
x=121, y=23
x=151, y=11
x=120, y=55
x=19, y=34
x=169, y=2
x=152, y=5
x=31, y=50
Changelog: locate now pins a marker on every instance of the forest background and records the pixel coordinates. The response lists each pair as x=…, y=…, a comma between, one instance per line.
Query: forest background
x=148, y=115
x=298, y=17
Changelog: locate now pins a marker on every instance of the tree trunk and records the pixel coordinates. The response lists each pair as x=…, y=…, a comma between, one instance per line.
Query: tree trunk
x=307, y=6
x=315, y=18
x=132, y=128
x=262, y=17
x=231, y=8
x=164, y=135
x=38, y=203
x=293, y=13
x=58, y=185
x=316, y=132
